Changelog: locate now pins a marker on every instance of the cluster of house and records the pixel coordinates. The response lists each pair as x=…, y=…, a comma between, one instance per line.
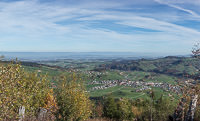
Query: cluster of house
x=143, y=88
x=190, y=82
x=94, y=73
x=138, y=85
x=149, y=85
x=104, y=84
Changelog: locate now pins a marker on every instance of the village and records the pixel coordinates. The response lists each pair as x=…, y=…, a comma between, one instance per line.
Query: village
x=139, y=86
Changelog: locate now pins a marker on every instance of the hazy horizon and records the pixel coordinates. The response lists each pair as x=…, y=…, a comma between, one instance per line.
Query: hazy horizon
x=40, y=56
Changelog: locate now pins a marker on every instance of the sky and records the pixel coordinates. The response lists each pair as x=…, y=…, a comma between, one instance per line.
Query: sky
x=147, y=26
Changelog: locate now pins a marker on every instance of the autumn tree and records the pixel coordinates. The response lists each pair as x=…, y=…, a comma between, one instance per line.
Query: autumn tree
x=20, y=89
x=72, y=99
x=124, y=110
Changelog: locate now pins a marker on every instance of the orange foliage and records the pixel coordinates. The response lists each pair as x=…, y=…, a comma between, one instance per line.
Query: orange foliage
x=136, y=111
x=50, y=102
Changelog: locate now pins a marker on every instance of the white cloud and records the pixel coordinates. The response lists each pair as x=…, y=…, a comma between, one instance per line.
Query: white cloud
x=34, y=20
x=143, y=22
x=173, y=4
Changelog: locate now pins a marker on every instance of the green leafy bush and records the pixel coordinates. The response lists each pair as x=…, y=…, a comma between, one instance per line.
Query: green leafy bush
x=120, y=109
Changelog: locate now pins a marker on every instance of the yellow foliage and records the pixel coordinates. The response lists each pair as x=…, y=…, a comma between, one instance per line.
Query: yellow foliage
x=20, y=88
x=136, y=111
x=50, y=102
x=73, y=101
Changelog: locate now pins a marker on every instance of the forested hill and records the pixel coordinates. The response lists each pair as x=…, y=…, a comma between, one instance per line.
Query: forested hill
x=178, y=66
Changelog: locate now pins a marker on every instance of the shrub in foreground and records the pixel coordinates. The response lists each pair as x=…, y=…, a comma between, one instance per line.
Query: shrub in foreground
x=20, y=89
x=72, y=99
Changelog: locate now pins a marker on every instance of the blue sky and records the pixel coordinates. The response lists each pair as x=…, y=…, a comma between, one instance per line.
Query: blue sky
x=149, y=26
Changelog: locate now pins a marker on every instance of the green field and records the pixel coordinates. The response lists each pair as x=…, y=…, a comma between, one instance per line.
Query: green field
x=144, y=72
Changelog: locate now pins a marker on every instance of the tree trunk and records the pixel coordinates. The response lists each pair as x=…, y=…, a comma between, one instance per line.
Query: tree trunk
x=179, y=112
x=21, y=113
x=192, y=107
x=42, y=114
